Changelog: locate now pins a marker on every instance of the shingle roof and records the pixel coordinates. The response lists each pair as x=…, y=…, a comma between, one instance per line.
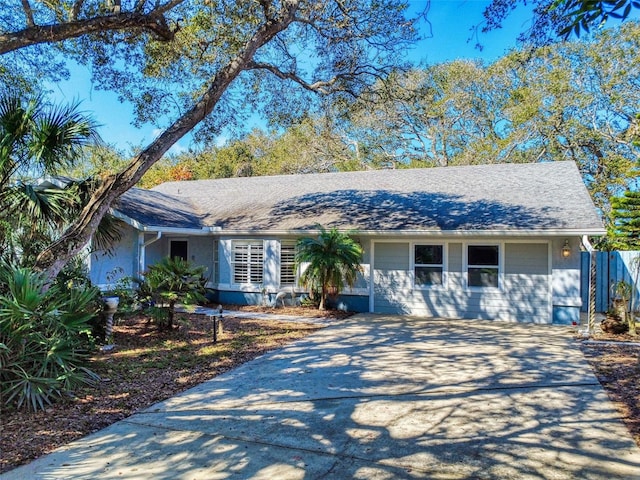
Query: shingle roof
x=505, y=197
x=149, y=207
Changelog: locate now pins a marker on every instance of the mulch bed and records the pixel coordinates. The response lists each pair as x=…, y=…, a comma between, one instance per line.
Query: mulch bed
x=147, y=367
x=617, y=367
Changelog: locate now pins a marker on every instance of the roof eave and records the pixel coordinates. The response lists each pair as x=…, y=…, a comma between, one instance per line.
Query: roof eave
x=432, y=233
x=211, y=230
x=157, y=228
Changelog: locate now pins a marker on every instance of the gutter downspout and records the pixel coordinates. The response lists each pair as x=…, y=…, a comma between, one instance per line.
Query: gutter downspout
x=591, y=312
x=142, y=246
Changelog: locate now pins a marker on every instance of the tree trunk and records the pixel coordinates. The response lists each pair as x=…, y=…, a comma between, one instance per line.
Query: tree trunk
x=323, y=299
x=56, y=255
x=171, y=312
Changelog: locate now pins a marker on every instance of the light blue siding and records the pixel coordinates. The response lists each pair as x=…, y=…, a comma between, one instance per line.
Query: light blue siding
x=525, y=294
x=537, y=284
x=106, y=269
x=565, y=282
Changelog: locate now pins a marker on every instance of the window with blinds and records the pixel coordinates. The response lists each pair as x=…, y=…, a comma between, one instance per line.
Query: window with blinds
x=248, y=262
x=287, y=263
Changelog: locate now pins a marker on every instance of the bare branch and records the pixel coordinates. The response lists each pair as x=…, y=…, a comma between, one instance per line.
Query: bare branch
x=28, y=13
x=318, y=87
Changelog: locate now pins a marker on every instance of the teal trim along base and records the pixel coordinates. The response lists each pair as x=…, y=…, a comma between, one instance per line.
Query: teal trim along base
x=563, y=315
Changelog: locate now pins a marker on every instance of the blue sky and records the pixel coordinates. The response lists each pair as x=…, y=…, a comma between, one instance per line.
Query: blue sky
x=450, y=27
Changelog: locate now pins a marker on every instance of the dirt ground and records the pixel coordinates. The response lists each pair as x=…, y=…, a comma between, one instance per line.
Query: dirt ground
x=615, y=360
x=146, y=367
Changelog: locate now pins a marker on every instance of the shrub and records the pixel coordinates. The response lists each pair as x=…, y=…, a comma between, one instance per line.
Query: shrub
x=44, y=338
x=170, y=281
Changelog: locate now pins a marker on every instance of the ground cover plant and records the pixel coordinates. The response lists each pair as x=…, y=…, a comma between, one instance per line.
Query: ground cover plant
x=44, y=338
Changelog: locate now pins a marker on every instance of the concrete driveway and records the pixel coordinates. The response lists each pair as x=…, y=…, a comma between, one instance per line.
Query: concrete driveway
x=376, y=397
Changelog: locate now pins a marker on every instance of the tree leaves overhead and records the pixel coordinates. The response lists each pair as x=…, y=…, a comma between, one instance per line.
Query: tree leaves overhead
x=552, y=20
x=220, y=60
x=335, y=46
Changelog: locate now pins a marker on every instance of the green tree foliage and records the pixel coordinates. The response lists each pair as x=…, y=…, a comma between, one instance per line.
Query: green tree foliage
x=171, y=281
x=626, y=221
x=97, y=159
x=204, y=66
x=311, y=146
x=554, y=19
x=571, y=101
x=37, y=139
x=329, y=261
x=44, y=338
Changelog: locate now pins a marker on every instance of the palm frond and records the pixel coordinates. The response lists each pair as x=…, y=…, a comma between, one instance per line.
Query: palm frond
x=59, y=136
x=34, y=204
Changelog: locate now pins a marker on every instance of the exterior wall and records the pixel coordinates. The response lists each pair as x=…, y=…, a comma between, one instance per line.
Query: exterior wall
x=536, y=283
x=199, y=250
x=105, y=270
x=566, y=282
x=523, y=292
x=356, y=299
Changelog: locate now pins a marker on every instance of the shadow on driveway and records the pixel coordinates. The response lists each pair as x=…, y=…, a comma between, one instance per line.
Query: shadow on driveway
x=377, y=397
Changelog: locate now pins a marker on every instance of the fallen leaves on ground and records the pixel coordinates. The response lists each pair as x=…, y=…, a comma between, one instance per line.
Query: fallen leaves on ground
x=616, y=364
x=145, y=367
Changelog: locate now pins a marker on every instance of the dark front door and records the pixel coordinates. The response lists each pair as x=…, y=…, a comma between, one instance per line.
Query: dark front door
x=178, y=248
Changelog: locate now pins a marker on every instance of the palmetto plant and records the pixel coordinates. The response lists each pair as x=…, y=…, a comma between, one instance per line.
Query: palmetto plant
x=329, y=261
x=44, y=338
x=38, y=139
x=170, y=281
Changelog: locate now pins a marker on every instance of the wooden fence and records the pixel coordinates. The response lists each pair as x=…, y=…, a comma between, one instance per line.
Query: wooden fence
x=612, y=267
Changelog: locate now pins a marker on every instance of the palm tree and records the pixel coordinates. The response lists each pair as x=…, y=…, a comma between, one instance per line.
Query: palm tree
x=37, y=139
x=329, y=262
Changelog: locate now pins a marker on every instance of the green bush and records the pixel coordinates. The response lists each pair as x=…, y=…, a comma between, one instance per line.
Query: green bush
x=172, y=281
x=45, y=338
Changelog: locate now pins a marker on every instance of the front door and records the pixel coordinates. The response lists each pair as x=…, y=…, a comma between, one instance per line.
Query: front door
x=178, y=248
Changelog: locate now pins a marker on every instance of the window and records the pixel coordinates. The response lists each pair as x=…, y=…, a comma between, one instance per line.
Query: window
x=287, y=263
x=483, y=265
x=178, y=248
x=247, y=261
x=428, y=265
